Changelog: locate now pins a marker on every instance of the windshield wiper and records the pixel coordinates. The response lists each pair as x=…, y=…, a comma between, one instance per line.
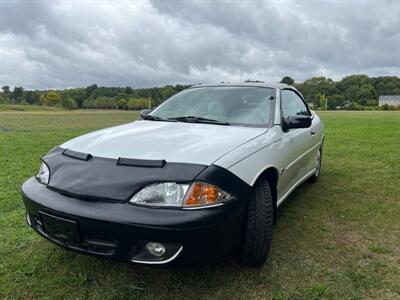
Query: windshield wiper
x=192, y=119
x=153, y=118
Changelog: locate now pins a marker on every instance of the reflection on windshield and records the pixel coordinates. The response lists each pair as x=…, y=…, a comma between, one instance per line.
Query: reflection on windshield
x=228, y=105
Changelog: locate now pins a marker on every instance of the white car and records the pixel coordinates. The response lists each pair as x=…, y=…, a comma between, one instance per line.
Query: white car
x=198, y=177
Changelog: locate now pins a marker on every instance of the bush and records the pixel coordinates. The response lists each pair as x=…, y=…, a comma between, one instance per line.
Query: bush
x=100, y=103
x=139, y=103
x=122, y=104
x=354, y=106
x=68, y=103
x=389, y=107
x=51, y=98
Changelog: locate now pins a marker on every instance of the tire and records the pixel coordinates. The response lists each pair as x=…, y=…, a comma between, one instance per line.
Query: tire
x=315, y=176
x=258, y=227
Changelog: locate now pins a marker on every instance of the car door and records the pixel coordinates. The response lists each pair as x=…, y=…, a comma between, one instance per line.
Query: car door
x=297, y=143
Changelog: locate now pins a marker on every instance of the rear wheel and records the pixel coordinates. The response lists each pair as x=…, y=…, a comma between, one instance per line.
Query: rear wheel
x=259, y=224
x=318, y=163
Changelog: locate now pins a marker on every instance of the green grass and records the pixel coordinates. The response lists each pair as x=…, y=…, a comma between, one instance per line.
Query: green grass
x=23, y=107
x=336, y=239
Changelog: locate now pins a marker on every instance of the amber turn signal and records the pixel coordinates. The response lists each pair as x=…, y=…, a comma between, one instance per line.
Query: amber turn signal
x=201, y=194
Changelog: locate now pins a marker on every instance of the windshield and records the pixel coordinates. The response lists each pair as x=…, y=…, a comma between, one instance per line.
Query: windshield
x=232, y=105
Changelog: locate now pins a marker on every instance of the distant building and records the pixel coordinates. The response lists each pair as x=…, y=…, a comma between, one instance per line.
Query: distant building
x=393, y=100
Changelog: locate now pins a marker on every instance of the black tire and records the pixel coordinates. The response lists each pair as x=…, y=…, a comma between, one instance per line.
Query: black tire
x=258, y=227
x=315, y=176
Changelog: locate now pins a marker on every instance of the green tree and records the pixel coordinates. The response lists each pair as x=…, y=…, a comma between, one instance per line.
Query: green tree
x=359, y=88
x=353, y=80
x=122, y=104
x=89, y=90
x=121, y=95
x=322, y=101
x=18, y=94
x=42, y=99
x=5, y=97
x=6, y=89
x=335, y=101
x=314, y=87
x=167, y=92
x=367, y=94
x=128, y=90
x=88, y=103
x=53, y=98
x=68, y=103
x=31, y=97
x=287, y=80
x=78, y=94
x=351, y=93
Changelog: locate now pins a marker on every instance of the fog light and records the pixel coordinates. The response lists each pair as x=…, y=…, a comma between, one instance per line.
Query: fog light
x=156, y=249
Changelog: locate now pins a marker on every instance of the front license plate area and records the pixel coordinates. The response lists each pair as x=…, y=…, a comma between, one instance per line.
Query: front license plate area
x=60, y=229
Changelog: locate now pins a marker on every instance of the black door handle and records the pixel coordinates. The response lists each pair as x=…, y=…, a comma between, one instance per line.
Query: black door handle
x=312, y=132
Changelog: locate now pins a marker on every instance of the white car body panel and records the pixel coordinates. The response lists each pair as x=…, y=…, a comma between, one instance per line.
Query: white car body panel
x=292, y=154
x=294, y=161
x=172, y=141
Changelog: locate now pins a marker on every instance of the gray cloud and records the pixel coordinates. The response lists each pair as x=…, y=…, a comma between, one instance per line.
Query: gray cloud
x=68, y=44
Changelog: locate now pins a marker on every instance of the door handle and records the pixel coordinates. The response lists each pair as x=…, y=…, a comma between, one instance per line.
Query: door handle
x=313, y=131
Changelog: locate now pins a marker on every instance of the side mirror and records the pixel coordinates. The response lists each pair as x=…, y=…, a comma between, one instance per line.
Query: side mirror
x=299, y=121
x=145, y=112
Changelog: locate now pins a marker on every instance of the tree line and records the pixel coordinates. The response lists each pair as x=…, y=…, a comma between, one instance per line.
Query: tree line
x=354, y=92
x=92, y=97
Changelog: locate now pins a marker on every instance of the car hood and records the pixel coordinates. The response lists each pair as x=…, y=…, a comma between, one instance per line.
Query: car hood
x=171, y=141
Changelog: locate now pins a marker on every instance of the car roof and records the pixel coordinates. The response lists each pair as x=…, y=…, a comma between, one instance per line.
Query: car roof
x=249, y=84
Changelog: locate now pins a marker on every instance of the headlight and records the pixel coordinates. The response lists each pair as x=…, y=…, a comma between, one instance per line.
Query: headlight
x=44, y=174
x=180, y=195
x=161, y=194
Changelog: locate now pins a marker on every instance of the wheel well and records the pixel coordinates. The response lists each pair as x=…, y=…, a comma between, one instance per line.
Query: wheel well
x=271, y=174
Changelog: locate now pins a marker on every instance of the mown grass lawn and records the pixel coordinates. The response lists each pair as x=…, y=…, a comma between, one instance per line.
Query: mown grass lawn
x=23, y=107
x=337, y=239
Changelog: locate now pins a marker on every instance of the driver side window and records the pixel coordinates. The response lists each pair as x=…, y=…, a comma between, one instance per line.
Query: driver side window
x=292, y=104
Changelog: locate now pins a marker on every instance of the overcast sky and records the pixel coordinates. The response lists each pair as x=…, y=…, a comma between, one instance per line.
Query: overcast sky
x=152, y=43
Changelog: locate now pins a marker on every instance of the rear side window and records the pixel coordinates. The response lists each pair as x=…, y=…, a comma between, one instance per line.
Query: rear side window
x=292, y=104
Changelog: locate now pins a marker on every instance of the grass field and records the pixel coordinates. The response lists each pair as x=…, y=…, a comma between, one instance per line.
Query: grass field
x=22, y=107
x=337, y=239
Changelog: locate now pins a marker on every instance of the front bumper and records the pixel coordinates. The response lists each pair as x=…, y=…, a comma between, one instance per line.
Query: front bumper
x=119, y=230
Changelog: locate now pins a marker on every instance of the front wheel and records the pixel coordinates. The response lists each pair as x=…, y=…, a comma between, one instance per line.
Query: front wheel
x=258, y=231
x=318, y=163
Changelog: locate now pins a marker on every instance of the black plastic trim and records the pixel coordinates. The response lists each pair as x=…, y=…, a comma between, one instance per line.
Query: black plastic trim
x=76, y=154
x=301, y=98
x=146, y=163
x=226, y=180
